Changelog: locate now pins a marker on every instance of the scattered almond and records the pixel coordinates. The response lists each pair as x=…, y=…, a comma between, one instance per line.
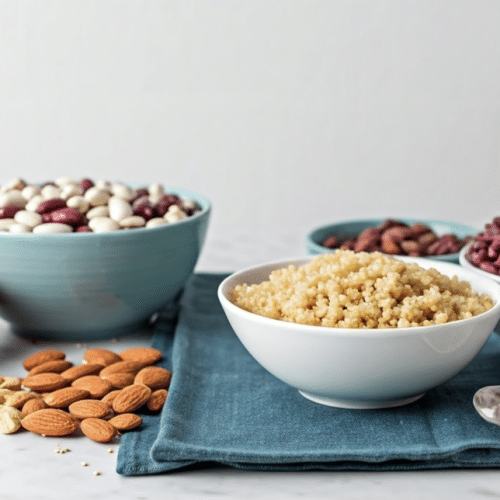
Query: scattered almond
x=102, y=357
x=121, y=367
x=157, y=400
x=50, y=422
x=89, y=408
x=125, y=421
x=110, y=396
x=97, y=386
x=18, y=398
x=98, y=430
x=145, y=355
x=45, y=382
x=78, y=371
x=54, y=366
x=131, y=398
x=33, y=405
x=10, y=419
x=120, y=380
x=41, y=357
x=155, y=377
x=62, y=398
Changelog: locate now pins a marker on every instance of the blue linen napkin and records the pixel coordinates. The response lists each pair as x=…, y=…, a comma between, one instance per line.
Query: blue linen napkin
x=224, y=408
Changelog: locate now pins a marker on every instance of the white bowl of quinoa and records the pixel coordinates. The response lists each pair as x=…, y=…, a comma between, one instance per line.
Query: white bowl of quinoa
x=361, y=330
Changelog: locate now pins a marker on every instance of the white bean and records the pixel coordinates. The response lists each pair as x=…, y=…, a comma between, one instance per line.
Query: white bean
x=174, y=214
x=33, y=204
x=64, y=181
x=52, y=227
x=5, y=224
x=156, y=222
x=13, y=197
x=119, y=208
x=100, y=211
x=104, y=185
x=133, y=221
x=28, y=218
x=123, y=191
x=19, y=228
x=29, y=191
x=103, y=224
x=79, y=202
x=96, y=197
x=70, y=190
x=16, y=183
x=49, y=191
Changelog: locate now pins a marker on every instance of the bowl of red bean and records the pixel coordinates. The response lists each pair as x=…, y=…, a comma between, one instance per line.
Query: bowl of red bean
x=435, y=239
x=83, y=259
x=482, y=254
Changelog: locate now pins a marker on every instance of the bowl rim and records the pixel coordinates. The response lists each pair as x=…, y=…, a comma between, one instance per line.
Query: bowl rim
x=362, y=333
x=309, y=238
x=202, y=199
x=467, y=265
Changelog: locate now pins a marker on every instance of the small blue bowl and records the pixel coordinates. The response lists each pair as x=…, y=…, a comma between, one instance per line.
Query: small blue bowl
x=88, y=286
x=348, y=229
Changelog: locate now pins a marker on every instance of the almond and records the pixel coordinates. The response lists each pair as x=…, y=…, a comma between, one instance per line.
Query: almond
x=122, y=367
x=97, y=386
x=18, y=398
x=50, y=422
x=102, y=357
x=110, y=396
x=45, y=382
x=78, y=371
x=131, y=398
x=11, y=383
x=125, y=421
x=157, y=400
x=98, y=430
x=34, y=405
x=120, y=380
x=54, y=366
x=145, y=355
x=89, y=408
x=62, y=398
x=10, y=419
x=41, y=357
x=155, y=377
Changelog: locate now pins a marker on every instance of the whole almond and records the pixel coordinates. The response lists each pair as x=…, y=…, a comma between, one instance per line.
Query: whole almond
x=131, y=398
x=122, y=367
x=102, y=357
x=54, y=366
x=50, y=422
x=157, y=400
x=41, y=357
x=125, y=421
x=11, y=383
x=120, y=380
x=98, y=430
x=145, y=355
x=110, y=396
x=89, y=408
x=62, y=398
x=155, y=377
x=18, y=398
x=83, y=370
x=97, y=386
x=45, y=382
x=10, y=419
x=34, y=405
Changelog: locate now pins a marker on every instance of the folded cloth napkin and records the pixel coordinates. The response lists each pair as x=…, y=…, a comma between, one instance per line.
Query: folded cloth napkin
x=224, y=408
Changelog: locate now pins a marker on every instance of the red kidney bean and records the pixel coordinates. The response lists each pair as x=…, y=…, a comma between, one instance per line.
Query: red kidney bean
x=86, y=184
x=83, y=229
x=67, y=215
x=488, y=267
x=8, y=211
x=50, y=205
x=142, y=206
x=46, y=217
x=165, y=202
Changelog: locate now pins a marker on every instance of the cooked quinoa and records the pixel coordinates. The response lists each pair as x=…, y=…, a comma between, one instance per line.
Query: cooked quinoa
x=345, y=289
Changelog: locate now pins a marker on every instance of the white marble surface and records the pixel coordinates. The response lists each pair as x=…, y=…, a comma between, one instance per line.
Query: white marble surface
x=29, y=467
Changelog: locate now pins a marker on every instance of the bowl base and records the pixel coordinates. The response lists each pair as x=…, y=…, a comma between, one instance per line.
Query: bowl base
x=359, y=405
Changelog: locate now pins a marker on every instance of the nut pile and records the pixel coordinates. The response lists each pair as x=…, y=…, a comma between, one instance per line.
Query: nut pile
x=484, y=251
x=100, y=396
x=67, y=205
x=397, y=238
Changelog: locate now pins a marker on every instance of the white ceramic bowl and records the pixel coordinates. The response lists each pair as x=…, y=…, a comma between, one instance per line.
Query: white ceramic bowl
x=361, y=368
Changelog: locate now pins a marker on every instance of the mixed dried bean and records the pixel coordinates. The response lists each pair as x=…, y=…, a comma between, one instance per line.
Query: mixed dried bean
x=484, y=251
x=67, y=205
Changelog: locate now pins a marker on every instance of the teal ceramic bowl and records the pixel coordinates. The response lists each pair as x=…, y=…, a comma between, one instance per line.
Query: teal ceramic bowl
x=347, y=229
x=97, y=285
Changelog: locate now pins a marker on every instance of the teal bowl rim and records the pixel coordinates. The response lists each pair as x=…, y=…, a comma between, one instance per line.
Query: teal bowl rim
x=204, y=202
x=314, y=248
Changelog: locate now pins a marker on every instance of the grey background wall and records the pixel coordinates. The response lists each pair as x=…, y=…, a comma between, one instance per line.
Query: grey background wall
x=286, y=114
